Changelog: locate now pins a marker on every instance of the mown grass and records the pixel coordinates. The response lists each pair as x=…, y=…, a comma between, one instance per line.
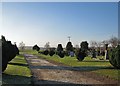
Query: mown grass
x=100, y=67
x=17, y=72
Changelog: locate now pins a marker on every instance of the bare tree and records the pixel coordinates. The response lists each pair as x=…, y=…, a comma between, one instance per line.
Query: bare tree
x=98, y=44
x=47, y=45
x=114, y=41
x=22, y=46
x=93, y=43
x=77, y=46
x=104, y=42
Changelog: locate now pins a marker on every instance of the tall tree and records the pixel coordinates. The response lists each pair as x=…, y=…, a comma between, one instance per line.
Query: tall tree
x=22, y=45
x=93, y=43
x=113, y=41
x=47, y=45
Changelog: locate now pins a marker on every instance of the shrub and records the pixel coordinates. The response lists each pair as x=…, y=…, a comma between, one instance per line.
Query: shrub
x=51, y=52
x=5, y=56
x=41, y=52
x=59, y=48
x=61, y=54
x=66, y=53
x=46, y=52
x=13, y=51
x=80, y=55
x=35, y=47
x=114, y=57
x=84, y=45
x=69, y=47
x=9, y=52
x=16, y=49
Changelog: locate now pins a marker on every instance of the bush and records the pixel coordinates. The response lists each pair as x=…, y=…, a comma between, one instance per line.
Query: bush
x=13, y=51
x=59, y=48
x=9, y=52
x=46, y=52
x=66, y=53
x=51, y=52
x=36, y=47
x=80, y=55
x=114, y=57
x=84, y=45
x=5, y=56
x=61, y=54
x=69, y=47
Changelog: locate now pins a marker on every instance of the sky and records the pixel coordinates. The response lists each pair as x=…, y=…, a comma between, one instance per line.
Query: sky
x=42, y=22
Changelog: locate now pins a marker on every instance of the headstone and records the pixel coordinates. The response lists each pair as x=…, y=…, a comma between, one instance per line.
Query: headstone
x=71, y=53
x=94, y=54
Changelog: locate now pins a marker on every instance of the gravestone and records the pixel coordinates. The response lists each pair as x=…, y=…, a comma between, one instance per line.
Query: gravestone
x=93, y=53
x=71, y=53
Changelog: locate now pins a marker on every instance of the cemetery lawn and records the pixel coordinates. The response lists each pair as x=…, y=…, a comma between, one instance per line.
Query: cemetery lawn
x=17, y=72
x=100, y=67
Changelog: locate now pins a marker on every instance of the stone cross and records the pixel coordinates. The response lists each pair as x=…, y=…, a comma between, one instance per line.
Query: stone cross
x=69, y=38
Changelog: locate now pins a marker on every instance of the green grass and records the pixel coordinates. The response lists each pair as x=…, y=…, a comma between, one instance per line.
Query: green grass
x=72, y=61
x=100, y=67
x=111, y=73
x=17, y=72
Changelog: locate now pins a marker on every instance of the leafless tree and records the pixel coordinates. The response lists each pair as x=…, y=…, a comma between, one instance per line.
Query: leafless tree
x=104, y=42
x=47, y=45
x=114, y=41
x=92, y=43
x=96, y=44
x=77, y=46
x=22, y=46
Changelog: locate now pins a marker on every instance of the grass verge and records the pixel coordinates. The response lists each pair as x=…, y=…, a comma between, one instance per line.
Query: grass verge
x=17, y=72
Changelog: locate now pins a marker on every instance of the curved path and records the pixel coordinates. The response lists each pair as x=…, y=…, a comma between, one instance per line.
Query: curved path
x=45, y=72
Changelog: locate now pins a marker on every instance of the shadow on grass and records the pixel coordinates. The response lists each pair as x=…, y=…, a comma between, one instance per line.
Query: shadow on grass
x=14, y=80
x=83, y=68
x=19, y=64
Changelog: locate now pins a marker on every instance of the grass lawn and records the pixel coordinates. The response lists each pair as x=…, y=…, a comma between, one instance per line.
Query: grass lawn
x=100, y=67
x=17, y=72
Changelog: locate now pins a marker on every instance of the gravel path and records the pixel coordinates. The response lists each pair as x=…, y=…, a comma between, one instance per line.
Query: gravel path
x=45, y=72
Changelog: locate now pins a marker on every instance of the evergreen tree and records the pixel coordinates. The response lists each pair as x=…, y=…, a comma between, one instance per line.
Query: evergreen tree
x=36, y=47
x=59, y=48
x=84, y=45
x=69, y=46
